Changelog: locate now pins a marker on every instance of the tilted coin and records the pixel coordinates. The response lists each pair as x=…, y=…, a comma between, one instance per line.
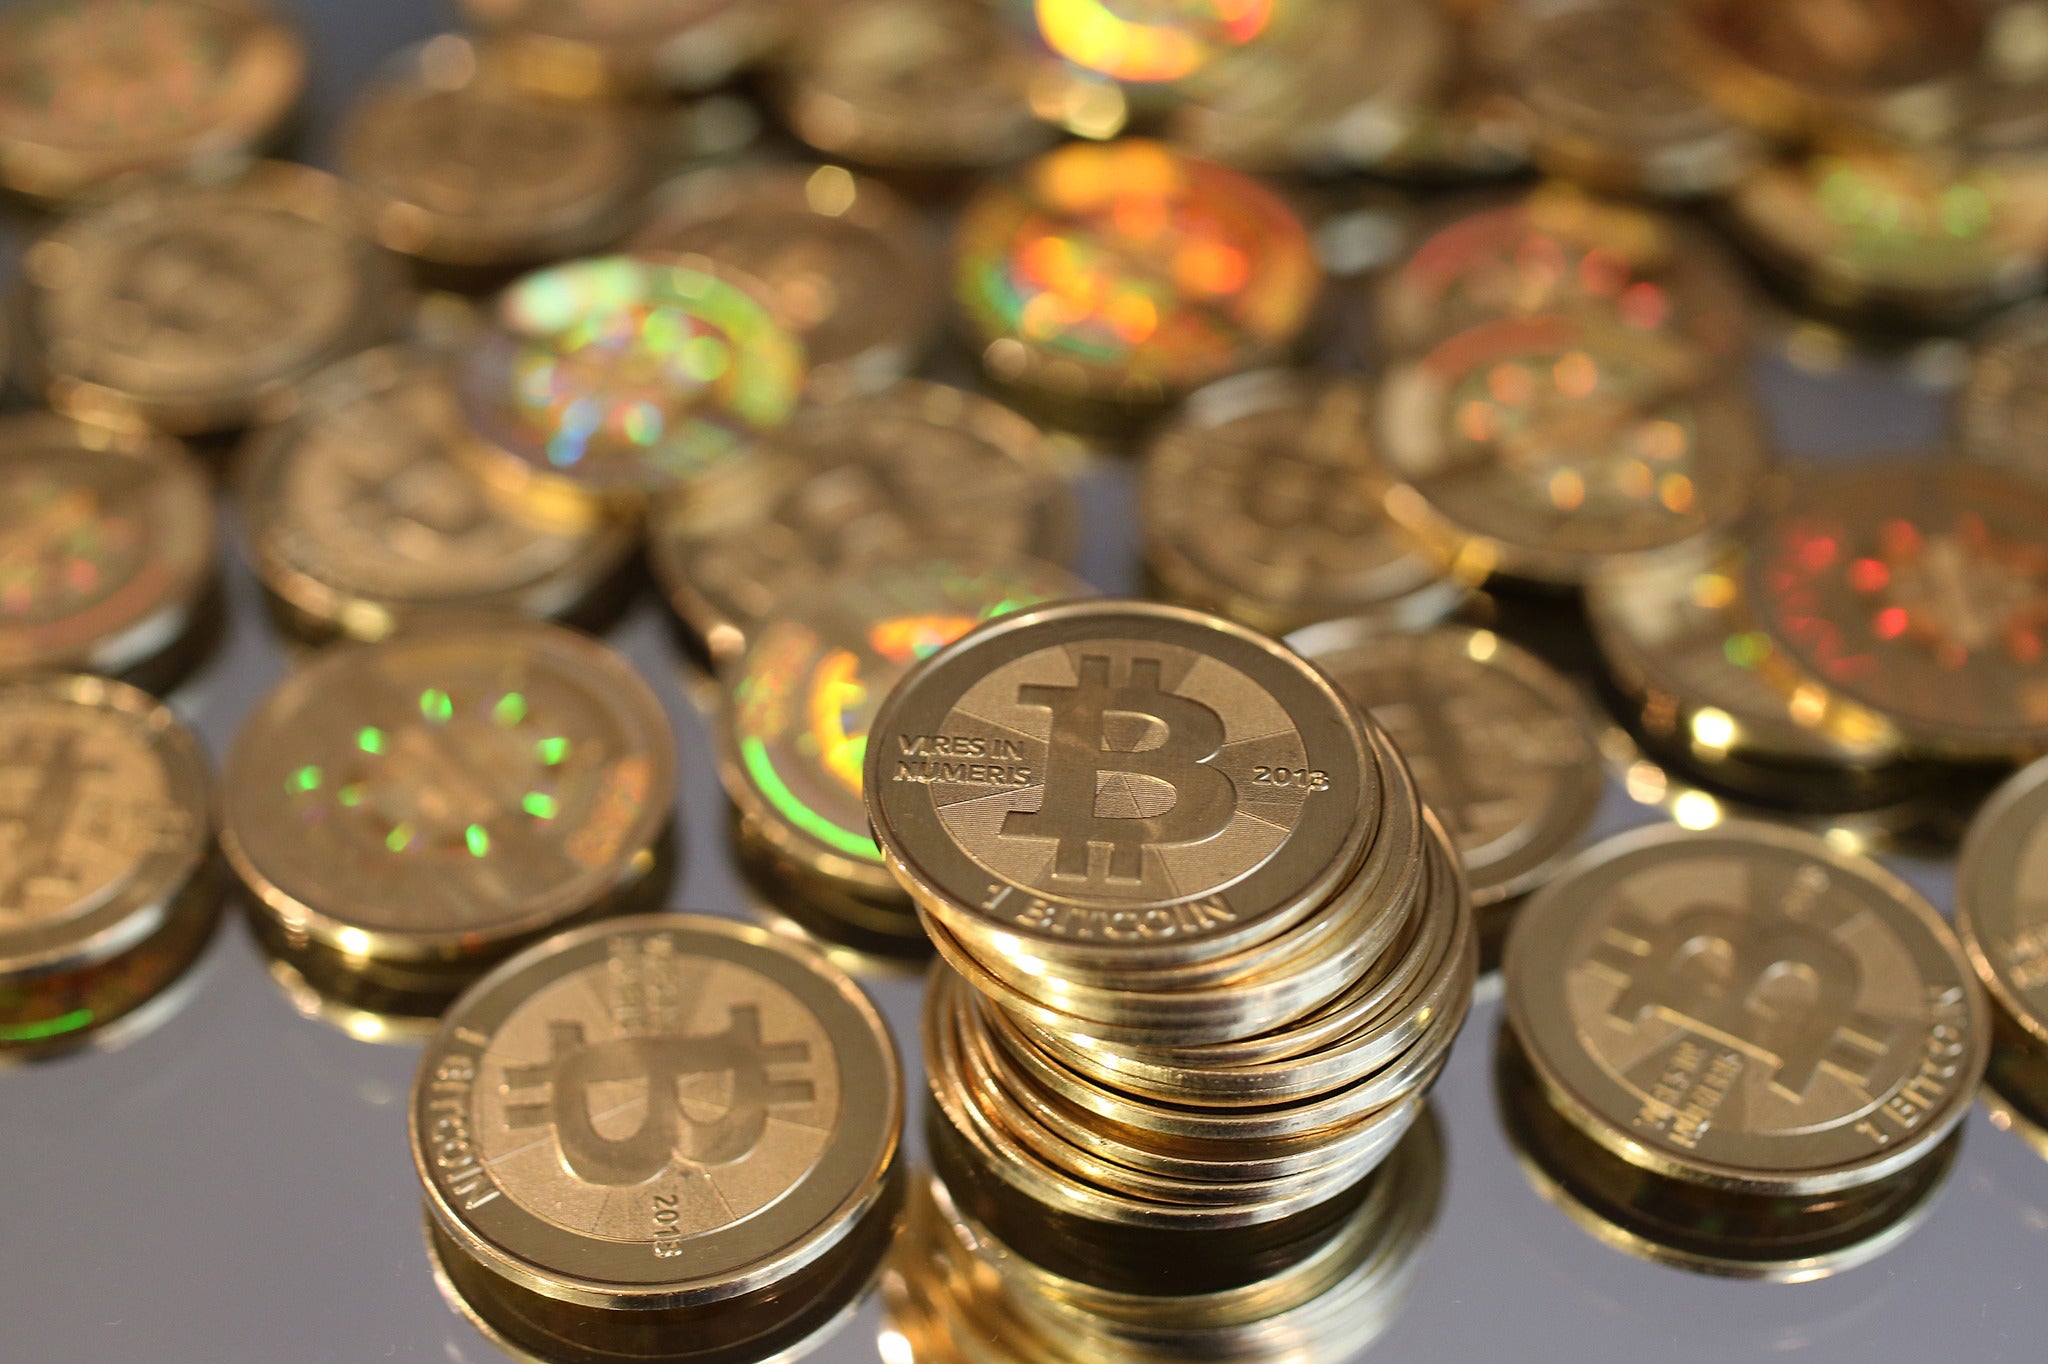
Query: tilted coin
x=106, y=547
x=1261, y=501
x=362, y=511
x=846, y=263
x=201, y=308
x=851, y=482
x=631, y=45
x=466, y=163
x=2000, y=910
x=2002, y=410
x=619, y=377
x=1501, y=746
x=1108, y=279
x=1918, y=589
x=93, y=89
x=436, y=800
x=1553, y=443
x=105, y=845
x=1745, y=1008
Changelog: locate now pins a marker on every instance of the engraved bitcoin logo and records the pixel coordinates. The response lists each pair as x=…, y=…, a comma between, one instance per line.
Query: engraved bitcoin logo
x=40, y=820
x=667, y=1130
x=198, y=284
x=1144, y=754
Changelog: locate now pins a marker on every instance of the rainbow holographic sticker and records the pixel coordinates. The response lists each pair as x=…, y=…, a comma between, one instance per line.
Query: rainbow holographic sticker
x=1149, y=42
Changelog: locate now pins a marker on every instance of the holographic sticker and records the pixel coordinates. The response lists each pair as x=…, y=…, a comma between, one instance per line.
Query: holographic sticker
x=1149, y=41
x=1132, y=262
x=625, y=374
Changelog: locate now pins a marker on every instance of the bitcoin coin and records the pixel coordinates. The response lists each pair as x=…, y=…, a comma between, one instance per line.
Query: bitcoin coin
x=2015, y=1094
x=106, y=547
x=2000, y=913
x=438, y=799
x=1119, y=780
x=1746, y=1009
x=362, y=512
x=1552, y=443
x=630, y=45
x=1501, y=746
x=465, y=163
x=201, y=308
x=1261, y=501
x=2002, y=411
x=849, y=483
x=847, y=265
x=1917, y=589
x=620, y=377
x=91, y=90
x=1111, y=278
x=863, y=935
x=105, y=843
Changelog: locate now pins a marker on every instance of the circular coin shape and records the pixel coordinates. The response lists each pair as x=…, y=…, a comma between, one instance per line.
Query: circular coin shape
x=1746, y=1008
x=1262, y=501
x=1120, y=781
x=93, y=89
x=659, y=1111
x=106, y=545
x=1144, y=42
x=623, y=377
x=1555, y=443
x=464, y=163
x=200, y=308
x=1918, y=589
x=2002, y=411
x=446, y=794
x=804, y=698
x=632, y=44
x=1501, y=747
x=845, y=263
x=2000, y=912
x=1128, y=273
x=362, y=511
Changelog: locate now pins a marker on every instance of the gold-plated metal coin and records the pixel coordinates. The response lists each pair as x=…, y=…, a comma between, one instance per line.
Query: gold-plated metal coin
x=631, y=45
x=466, y=161
x=427, y=804
x=1552, y=443
x=202, y=308
x=847, y=265
x=2015, y=1095
x=849, y=483
x=363, y=512
x=1261, y=502
x=1107, y=279
x=1919, y=590
x=1999, y=912
x=106, y=895
x=1501, y=746
x=2002, y=410
x=106, y=548
x=91, y=90
x=1145, y=44
x=1746, y=1009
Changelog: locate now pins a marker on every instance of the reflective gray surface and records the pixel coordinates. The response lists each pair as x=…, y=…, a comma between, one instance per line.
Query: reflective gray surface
x=234, y=1186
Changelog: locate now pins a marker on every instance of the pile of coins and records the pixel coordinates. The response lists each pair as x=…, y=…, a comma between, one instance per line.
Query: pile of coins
x=1205, y=951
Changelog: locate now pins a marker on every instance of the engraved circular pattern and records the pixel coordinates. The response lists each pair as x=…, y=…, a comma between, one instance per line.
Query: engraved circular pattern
x=2001, y=911
x=2002, y=411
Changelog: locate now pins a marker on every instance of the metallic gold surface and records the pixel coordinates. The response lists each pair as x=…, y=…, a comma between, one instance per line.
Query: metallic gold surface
x=2002, y=410
x=2000, y=914
x=638, y=46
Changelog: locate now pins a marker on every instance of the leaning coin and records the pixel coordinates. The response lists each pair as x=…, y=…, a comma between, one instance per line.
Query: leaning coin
x=634, y=46
x=2000, y=913
x=201, y=308
x=1746, y=1008
x=2002, y=410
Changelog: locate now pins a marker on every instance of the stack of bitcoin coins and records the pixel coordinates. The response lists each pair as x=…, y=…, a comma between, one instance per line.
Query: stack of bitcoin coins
x=1206, y=950
x=2003, y=921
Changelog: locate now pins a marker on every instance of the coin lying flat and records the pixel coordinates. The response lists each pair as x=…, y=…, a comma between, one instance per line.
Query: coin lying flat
x=1746, y=1009
x=1261, y=501
x=362, y=512
x=846, y=263
x=467, y=164
x=2002, y=411
x=1145, y=44
x=630, y=45
x=93, y=89
x=201, y=308
x=106, y=547
x=1999, y=912
x=105, y=841
x=439, y=799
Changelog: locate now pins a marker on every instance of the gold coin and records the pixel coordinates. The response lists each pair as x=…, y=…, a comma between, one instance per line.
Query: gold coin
x=1746, y=1009
x=866, y=936
x=1918, y=589
x=630, y=45
x=1501, y=746
x=362, y=513
x=663, y=1112
x=1553, y=443
x=466, y=163
x=105, y=843
x=848, y=483
x=2015, y=1094
x=442, y=797
x=2002, y=411
x=846, y=263
x=201, y=308
x=1120, y=782
x=2002, y=920
x=94, y=89
x=106, y=546
x=1261, y=501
